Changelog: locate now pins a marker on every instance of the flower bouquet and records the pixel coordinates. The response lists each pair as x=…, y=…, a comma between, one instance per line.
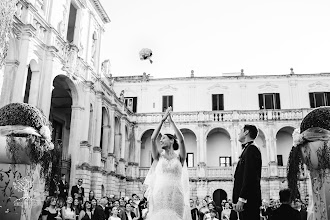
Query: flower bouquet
x=146, y=54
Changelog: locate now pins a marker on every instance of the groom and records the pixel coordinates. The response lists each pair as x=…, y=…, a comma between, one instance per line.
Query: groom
x=247, y=192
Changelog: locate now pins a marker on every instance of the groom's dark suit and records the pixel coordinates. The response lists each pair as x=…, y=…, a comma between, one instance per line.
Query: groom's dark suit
x=247, y=181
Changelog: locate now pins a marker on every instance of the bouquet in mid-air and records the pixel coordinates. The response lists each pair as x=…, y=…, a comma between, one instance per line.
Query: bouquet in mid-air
x=146, y=54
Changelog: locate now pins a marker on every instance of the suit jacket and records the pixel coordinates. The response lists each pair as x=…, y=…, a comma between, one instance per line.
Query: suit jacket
x=247, y=176
x=132, y=215
x=194, y=214
x=75, y=189
x=284, y=212
x=100, y=213
x=63, y=188
x=303, y=214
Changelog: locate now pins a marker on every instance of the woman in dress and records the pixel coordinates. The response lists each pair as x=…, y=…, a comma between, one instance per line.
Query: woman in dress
x=203, y=209
x=86, y=212
x=68, y=212
x=76, y=207
x=50, y=212
x=225, y=214
x=167, y=180
x=114, y=214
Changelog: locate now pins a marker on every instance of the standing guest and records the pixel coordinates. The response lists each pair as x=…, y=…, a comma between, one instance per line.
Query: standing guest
x=121, y=212
x=285, y=211
x=211, y=206
x=247, y=189
x=223, y=202
x=225, y=214
x=100, y=212
x=50, y=212
x=203, y=210
x=76, y=207
x=145, y=211
x=114, y=214
x=128, y=212
x=122, y=209
x=86, y=212
x=134, y=208
x=198, y=204
x=94, y=204
x=91, y=195
x=63, y=188
x=302, y=211
x=167, y=179
x=77, y=191
x=68, y=211
x=194, y=211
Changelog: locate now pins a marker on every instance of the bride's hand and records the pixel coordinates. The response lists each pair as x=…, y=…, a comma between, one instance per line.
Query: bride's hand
x=168, y=110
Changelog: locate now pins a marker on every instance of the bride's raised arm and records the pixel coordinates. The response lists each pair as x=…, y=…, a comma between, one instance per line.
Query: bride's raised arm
x=182, y=147
x=154, y=149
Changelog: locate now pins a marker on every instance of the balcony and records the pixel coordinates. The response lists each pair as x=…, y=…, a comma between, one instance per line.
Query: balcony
x=219, y=172
x=226, y=116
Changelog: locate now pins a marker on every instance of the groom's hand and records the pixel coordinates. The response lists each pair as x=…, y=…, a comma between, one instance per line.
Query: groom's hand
x=239, y=206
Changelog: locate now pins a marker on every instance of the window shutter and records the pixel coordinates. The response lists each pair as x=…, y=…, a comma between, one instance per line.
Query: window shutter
x=134, y=104
x=170, y=102
x=261, y=101
x=311, y=100
x=277, y=101
x=214, y=102
x=327, y=97
x=221, y=102
x=164, y=103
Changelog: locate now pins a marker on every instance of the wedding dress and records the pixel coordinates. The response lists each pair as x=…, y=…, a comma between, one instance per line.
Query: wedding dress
x=168, y=190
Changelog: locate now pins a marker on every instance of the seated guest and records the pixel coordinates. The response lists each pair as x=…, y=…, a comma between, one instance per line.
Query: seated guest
x=285, y=211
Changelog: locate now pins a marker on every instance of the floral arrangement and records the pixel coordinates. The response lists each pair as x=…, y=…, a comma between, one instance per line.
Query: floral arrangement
x=316, y=123
x=23, y=121
x=146, y=54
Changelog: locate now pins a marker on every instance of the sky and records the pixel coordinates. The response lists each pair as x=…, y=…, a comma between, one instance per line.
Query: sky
x=213, y=37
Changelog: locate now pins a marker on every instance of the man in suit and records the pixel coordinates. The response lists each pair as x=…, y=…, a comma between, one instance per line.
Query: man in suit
x=247, y=190
x=63, y=188
x=301, y=210
x=77, y=191
x=285, y=211
x=194, y=211
x=101, y=213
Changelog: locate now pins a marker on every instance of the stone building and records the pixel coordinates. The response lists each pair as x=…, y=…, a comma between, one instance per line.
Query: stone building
x=210, y=112
x=54, y=63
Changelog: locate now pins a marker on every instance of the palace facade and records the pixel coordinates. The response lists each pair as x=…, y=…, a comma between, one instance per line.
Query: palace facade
x=54, y=63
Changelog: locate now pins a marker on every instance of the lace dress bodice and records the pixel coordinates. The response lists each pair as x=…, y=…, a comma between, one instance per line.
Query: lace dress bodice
x=167, y=195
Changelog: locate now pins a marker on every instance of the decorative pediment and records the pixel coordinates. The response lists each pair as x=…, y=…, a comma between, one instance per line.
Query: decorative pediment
x=318, y=84
x=217, y=86
x=268, y=85
x=168, y=88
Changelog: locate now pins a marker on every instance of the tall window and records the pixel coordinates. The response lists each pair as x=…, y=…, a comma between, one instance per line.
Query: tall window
x=71, y=23
x=131, y=103
x=28, y=86
x=279, y=160
x=269, y=101
x=318, y=99
x=190, y=159
x=225, y=161
x=57, y=130
x=217, y=102
x=167, y=102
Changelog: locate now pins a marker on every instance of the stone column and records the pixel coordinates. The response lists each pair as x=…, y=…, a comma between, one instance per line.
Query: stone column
x=10, y=71
x=47, y=81
x=271, y=142
x=105, y=140
x=123, y=138
x=74, y=142
x=98, y=120
x=28, y=32
x=87, y=95
x=112, y=132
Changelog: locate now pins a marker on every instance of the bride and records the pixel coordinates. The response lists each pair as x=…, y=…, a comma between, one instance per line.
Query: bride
x=167, y=180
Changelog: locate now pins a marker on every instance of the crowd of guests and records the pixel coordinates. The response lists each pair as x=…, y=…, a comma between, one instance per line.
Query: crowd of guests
x=274, y=210
x=61, y=206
